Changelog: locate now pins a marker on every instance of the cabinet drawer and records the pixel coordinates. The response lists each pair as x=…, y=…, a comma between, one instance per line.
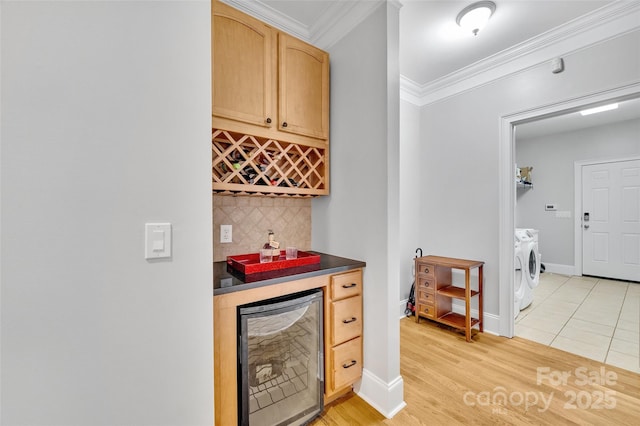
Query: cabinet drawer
x=346, y=319
x=346, y=285
x=426, y=269
x=426, y=284
x=426, y=297
x=347, y=363
x=426, y=310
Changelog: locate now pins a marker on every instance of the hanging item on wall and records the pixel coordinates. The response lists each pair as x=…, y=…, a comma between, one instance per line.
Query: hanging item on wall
x=524, y=175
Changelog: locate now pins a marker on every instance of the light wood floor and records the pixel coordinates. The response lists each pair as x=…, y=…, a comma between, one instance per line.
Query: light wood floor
x=449, y=381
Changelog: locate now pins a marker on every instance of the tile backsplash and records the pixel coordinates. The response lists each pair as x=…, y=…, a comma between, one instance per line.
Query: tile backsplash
x=252, y=217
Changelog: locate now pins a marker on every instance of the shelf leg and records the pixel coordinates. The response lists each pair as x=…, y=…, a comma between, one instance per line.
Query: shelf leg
x=467, y=305
x=480, y=309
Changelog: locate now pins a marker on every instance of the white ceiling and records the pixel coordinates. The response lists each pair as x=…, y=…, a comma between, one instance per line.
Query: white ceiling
x=431, y=44
x=572, y=121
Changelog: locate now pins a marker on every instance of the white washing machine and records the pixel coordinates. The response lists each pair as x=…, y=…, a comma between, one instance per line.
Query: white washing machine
x=519, y=283
x=529, y=246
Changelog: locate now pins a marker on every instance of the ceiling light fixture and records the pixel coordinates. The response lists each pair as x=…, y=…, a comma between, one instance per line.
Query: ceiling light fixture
x=599, y=109
x=475, y=16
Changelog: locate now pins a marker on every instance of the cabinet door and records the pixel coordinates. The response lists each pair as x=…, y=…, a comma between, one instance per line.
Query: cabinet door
x=303, y=79
x=243, y=77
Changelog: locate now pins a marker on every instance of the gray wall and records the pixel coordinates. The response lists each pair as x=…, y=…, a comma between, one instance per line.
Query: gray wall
x=105, y=126
x=553, y=160
x=410, y=180
x=460, y=144
x=360, y=217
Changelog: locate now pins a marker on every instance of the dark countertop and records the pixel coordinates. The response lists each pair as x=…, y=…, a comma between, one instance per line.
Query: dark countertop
x=227, y=280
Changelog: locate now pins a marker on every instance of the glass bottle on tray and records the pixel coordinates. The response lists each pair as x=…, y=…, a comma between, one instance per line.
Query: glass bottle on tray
x=273, y=245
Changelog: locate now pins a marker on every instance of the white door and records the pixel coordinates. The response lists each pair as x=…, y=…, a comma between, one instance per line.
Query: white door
x=611, y=220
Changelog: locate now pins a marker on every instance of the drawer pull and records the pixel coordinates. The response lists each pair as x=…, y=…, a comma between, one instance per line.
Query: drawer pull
x=349, y=285
x=347, y=321
x=426, y=270
x=351, y=364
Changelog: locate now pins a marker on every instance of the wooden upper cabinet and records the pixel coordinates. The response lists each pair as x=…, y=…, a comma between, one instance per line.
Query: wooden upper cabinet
x=267, y=83
x=243, y=65
x=303, y=81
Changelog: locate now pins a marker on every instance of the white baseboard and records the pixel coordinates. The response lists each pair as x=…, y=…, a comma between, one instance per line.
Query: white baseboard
x=386, y=398
x=556, y=268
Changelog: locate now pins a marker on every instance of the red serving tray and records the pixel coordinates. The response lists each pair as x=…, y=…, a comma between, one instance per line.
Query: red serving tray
x=250, y=263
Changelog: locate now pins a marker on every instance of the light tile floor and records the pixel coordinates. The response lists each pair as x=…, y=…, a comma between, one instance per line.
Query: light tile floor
x=595, y=318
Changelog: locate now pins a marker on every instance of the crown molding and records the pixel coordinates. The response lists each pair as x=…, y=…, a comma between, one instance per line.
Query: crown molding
x=340, y=19
x=336, y=22
x=411, y=91
x=271, y=16
x=610, y=21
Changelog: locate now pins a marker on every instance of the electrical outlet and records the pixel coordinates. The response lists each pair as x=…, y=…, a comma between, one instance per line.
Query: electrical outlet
x=226, y=234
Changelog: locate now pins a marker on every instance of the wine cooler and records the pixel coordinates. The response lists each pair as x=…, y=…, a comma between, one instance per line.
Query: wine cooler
x=280, y=360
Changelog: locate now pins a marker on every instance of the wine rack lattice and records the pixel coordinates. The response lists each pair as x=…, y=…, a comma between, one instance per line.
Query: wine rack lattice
x=245, y=164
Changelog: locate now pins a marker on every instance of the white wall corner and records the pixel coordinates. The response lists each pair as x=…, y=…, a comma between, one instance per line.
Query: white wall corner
x=386, y=398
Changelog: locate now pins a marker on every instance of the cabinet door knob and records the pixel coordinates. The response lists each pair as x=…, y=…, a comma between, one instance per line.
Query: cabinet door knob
x=347, y=321
x=284, y=124
x=268, y=120
x=349, y=285
x=351, y=364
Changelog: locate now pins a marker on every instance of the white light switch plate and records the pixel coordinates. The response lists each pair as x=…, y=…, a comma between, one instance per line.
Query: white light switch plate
x=157, y=244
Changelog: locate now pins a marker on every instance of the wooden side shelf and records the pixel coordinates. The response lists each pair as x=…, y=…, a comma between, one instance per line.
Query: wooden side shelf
x=435, y=292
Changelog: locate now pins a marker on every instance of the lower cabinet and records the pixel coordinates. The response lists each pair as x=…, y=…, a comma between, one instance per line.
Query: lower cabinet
x=342, y=336
x=343, y=333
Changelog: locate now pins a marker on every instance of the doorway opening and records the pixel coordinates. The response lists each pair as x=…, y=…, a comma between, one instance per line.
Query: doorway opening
x=574, y=310
x=507, y=192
